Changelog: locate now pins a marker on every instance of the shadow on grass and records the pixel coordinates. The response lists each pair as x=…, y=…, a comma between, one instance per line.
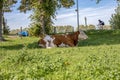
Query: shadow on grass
x=33, y=45
x=20, y=46
x=13, y=47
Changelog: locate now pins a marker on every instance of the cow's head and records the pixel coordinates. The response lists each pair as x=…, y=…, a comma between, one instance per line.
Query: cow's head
x=82, y=35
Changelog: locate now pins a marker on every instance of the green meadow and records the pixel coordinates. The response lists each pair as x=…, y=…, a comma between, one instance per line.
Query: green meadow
x=97, y=58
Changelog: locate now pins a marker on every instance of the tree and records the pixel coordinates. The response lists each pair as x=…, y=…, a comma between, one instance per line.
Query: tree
x=115, y=19
x=1, y=13
x=5, y=6
x=47, y=22
x=34, y=30
x=44, y=10
x=6, y=30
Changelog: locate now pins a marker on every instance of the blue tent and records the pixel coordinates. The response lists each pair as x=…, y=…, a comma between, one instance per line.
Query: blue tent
x=23, y=33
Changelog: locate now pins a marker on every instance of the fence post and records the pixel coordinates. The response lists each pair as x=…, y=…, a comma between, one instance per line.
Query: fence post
x=21, y=32
x=54, y=30
x=86, y=22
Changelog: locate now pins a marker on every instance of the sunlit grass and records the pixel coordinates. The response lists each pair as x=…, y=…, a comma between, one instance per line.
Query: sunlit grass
x=96, y=58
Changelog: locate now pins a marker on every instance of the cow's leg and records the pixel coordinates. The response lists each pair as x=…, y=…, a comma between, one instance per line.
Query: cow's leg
x=52, y=43
x=71, y=44
x=47, y=44
x=75, y=43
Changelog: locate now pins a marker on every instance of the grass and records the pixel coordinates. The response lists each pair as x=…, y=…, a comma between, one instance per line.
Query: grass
x=96, y=58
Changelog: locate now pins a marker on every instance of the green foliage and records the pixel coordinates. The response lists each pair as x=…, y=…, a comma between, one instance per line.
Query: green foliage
x=32, y=66
x=99, y=67
x=95, y=58
x=5, y=6
x=49, y=29
x=67, y=3
x=6, y=30
x=115, y=19
x=34, y=30
x=44, y=10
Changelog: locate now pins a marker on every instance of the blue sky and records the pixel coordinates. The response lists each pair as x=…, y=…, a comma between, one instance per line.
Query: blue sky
x=87, y=8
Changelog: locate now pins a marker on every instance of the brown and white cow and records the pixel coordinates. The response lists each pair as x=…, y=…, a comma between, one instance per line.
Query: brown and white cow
x=62, y=40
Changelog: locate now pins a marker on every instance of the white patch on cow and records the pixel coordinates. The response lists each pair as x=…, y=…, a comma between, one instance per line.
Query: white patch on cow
x=63, y=45
x=49, y=41
x=47, y=44
x=52, y=44
x=47, y=38
x=82, y=35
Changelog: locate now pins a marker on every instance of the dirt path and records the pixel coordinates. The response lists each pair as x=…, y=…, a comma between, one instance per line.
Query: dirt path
x=12, y=36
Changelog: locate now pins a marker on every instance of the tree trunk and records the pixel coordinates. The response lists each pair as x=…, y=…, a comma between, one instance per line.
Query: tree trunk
x=42, y=21
x=1, y=37
x=43, y=25
x=1, y=14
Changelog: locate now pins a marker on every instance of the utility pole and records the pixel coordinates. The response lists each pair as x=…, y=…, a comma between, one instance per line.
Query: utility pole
x=85, y=21
x=77, y=10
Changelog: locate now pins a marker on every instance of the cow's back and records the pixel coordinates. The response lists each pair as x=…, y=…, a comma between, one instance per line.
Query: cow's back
x=59, y=39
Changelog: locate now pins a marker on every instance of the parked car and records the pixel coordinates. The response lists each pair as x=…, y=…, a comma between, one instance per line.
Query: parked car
x=23, y=33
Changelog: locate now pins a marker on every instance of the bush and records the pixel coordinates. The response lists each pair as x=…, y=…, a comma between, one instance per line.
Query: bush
x=115, y=19
x=35, y=30
x=6, y=30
